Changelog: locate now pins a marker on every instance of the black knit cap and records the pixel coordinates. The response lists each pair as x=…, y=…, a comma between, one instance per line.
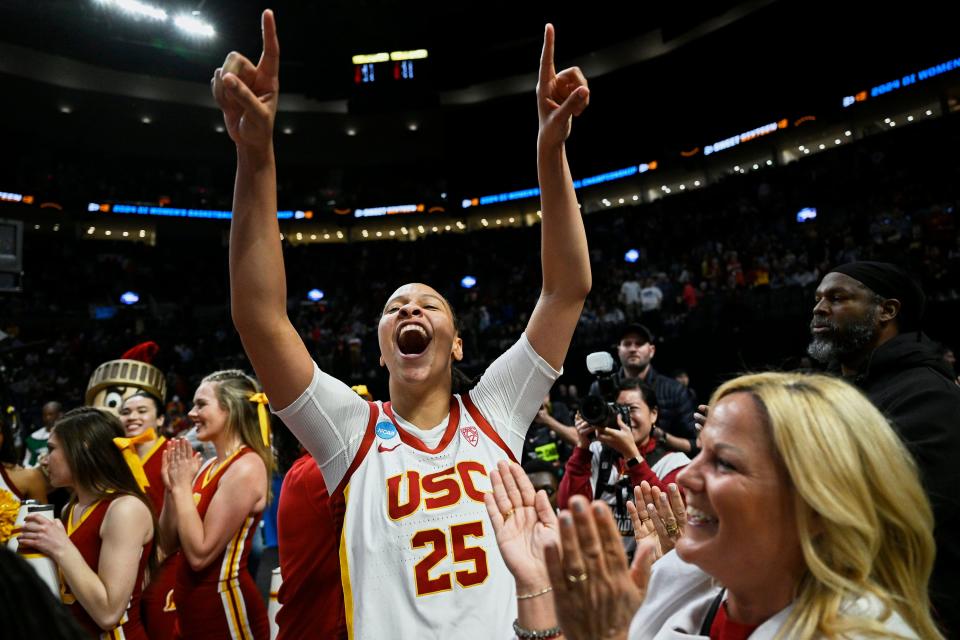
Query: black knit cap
x=890, y=281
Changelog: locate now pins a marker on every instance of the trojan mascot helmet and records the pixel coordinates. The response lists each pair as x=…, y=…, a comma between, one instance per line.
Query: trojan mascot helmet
x=116, y=380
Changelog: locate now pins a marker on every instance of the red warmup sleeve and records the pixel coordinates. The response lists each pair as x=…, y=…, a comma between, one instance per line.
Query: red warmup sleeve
x=640, y=472
x=576, y=477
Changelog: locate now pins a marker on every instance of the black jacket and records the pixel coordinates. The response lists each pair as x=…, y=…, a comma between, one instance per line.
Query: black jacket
x=911, y=384
x=675, y=413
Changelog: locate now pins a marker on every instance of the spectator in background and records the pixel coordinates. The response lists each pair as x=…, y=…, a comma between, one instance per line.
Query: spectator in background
x=560, y=404
x=651, y=300
x=609, y=467
x=630, y=296
x=867, y=323
x=636, y=350
x=36, y=443
x=543, y=477
x=572, y=400
x=950, y=359
x=548, y=439
x=557, y=430
x=612, y=315
x=22, y=483
x=681, y=376
x=176, y=421
x=735, y=278
x=690, y=296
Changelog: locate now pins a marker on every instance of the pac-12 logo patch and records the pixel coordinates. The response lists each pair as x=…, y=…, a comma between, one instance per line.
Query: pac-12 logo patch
x=471, y=434
x=386, y=430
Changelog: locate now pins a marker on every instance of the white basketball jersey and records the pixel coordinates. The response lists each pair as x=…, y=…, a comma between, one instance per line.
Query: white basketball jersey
x=418, y=554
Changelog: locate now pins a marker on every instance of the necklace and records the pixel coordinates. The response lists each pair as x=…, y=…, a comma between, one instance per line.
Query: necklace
x=227, y=454
x=80, y=509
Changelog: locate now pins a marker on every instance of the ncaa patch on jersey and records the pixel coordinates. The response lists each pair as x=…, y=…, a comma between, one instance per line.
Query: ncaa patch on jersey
x=386, y=430
x=471, y=434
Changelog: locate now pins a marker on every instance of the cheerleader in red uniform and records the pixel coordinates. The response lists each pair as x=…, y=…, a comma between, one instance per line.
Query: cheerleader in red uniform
x=142, y=418
x=211, y=512
x=107, y=512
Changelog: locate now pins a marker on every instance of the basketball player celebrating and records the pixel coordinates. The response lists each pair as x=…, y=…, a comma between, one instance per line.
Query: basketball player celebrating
x=418, y=555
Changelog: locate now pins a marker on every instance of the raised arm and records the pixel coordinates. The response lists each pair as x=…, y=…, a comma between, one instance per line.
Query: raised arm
x=247, y=94
x=564, y=256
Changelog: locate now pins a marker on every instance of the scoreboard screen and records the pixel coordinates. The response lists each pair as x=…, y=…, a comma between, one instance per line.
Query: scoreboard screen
x=383, y=68
x=389, y=82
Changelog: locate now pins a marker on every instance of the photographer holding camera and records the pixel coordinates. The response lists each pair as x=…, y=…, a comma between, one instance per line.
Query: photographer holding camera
x=635, y=350
x=624, y=452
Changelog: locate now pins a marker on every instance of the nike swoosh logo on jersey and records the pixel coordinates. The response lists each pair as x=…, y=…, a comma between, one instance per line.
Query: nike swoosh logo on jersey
x=381, y=448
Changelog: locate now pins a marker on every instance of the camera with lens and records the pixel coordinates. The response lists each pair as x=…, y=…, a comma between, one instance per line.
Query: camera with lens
x=601, y=410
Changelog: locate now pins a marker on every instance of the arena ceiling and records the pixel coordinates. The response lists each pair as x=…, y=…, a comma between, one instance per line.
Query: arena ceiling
x=666, y=77
x=469, y=42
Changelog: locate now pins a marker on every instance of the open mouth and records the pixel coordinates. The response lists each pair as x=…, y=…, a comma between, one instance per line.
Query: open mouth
x=412, y=340
x=699, y=518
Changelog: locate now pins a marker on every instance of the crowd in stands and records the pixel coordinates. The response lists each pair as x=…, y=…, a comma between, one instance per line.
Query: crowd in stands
x=715, y=266
x=742, y=492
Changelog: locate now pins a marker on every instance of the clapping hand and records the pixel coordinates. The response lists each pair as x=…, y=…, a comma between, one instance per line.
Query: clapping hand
x=523, y=522
x=180, y=465
x=659, y=513
x=596, y=593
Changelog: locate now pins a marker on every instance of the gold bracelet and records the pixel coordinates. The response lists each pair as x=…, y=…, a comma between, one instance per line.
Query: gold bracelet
x=534, y=595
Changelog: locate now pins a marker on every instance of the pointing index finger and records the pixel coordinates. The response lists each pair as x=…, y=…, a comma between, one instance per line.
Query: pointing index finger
x=547, y=71
x=270, y=58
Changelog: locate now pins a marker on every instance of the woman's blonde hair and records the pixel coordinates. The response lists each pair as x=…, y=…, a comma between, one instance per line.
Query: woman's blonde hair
x=234, y=390
x=865, y=524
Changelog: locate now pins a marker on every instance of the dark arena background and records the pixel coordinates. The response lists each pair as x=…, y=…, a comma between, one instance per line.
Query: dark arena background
x=732, y=154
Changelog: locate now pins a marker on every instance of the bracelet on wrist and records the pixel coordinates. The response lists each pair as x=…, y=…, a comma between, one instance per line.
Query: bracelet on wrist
x=539, y=634
x=527, y=596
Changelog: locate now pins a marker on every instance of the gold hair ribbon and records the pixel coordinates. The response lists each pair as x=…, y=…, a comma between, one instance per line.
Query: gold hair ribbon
x=262, y=402
x=128, y=447
x=361, y=390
